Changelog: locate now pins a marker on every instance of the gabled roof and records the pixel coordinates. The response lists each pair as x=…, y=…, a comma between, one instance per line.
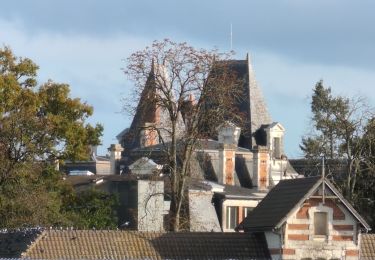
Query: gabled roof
x=367, y=250
x=281, y=201
x=89, y=244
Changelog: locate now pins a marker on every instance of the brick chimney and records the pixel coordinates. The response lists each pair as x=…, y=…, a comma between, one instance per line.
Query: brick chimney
x=229, y=134
x=261, y=167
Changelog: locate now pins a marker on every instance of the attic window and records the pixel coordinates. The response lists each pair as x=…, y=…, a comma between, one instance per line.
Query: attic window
x=277, y=147
x=320, y=223
x=246, y=211
x=232, y=217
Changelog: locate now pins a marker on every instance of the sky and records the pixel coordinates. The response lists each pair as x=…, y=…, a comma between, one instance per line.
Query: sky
x=292, y=44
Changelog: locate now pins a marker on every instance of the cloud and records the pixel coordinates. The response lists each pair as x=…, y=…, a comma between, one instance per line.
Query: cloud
x=324, y=32
x=293, y=44
x=90, y=65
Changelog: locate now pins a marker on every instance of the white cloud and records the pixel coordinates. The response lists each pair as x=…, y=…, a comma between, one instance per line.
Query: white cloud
x=91, y=65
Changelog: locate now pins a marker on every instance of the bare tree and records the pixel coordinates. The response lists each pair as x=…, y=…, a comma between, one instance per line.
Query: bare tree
x=193, y=90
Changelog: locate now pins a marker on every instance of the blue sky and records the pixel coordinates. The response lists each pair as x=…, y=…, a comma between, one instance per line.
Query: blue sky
x=293, y=44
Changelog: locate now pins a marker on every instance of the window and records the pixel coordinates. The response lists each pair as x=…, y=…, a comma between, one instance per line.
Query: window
x=276, y=147
x=246, y=211
x=320, y=223
x=232, y=217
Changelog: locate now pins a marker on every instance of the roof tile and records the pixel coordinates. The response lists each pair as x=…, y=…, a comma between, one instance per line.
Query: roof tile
x=86, y=244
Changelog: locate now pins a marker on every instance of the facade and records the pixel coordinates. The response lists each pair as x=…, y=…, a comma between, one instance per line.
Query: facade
x=245, y=160
x=249, y=156
x=307, y=218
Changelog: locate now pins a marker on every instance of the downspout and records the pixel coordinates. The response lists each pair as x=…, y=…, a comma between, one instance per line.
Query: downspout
x=281, y=240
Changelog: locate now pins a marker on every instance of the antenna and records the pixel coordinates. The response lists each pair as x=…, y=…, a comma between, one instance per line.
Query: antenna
x=231, y=37
x=323, y=183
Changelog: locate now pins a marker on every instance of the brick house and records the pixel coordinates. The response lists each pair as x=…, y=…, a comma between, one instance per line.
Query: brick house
x=307, y=218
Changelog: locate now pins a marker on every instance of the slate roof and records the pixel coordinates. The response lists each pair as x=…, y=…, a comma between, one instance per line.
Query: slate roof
x=283, y=198
x=367, y=247
x=253, y=106
x=14, y=242
x=278, y=203
x=85, y=244
x=237, y=192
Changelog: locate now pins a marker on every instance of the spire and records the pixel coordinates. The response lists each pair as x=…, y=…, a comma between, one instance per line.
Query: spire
x=259, y=114
x=152, y=71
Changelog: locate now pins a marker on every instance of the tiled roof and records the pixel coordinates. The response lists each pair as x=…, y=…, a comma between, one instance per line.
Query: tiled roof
x=367, y=250
x=85, y=244
x=14, y=242
x=278, y=203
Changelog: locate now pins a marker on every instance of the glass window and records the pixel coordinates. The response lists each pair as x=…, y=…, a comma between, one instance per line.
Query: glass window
x=320, y=223
x=276, y=147
x=232, y=217
x=246, y=211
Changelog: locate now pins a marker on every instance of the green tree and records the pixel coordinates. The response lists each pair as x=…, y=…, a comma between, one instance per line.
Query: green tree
x=38, y=125
x=91, y=209
x=344, y=134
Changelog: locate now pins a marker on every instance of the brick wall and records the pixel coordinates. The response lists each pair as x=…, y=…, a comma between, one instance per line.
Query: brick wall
x=300, y=240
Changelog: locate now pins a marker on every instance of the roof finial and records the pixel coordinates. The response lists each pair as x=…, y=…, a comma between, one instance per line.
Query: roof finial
x=231, y=37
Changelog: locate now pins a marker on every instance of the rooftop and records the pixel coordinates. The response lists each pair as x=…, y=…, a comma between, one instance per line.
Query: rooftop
x=89, y=244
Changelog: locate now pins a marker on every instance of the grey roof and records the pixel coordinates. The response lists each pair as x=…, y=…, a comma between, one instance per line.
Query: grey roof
x=252, y=106
x=273, y=210
x=88, y=244
x=237, y=192
x=14, y=242
x=278, y=203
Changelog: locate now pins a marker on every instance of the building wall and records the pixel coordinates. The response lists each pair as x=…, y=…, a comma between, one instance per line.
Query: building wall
x=150, y=205
x=203, y=217
x=103, y=168
x=301, y=242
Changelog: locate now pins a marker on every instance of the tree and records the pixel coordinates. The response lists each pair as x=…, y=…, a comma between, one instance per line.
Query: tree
x=343, y=133
x=179, y=75
x=38, y=125
x=91, y=209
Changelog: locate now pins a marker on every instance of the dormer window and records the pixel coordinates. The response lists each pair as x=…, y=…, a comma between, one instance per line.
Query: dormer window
x=277, y=147
x=320, y=224
x=232, y=217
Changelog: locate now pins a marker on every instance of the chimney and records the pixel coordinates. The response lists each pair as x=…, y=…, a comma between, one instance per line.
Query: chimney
x=148, y=135
x=114, y=156
x=229, y=134
x=261, y=167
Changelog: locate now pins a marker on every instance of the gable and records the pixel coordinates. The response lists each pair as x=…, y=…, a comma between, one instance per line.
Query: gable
x=277, y=127
x=290, y=195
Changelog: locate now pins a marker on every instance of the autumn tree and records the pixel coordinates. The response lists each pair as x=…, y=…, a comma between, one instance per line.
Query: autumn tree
x=183, y=75
x=38, y=125
x=343, y=133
